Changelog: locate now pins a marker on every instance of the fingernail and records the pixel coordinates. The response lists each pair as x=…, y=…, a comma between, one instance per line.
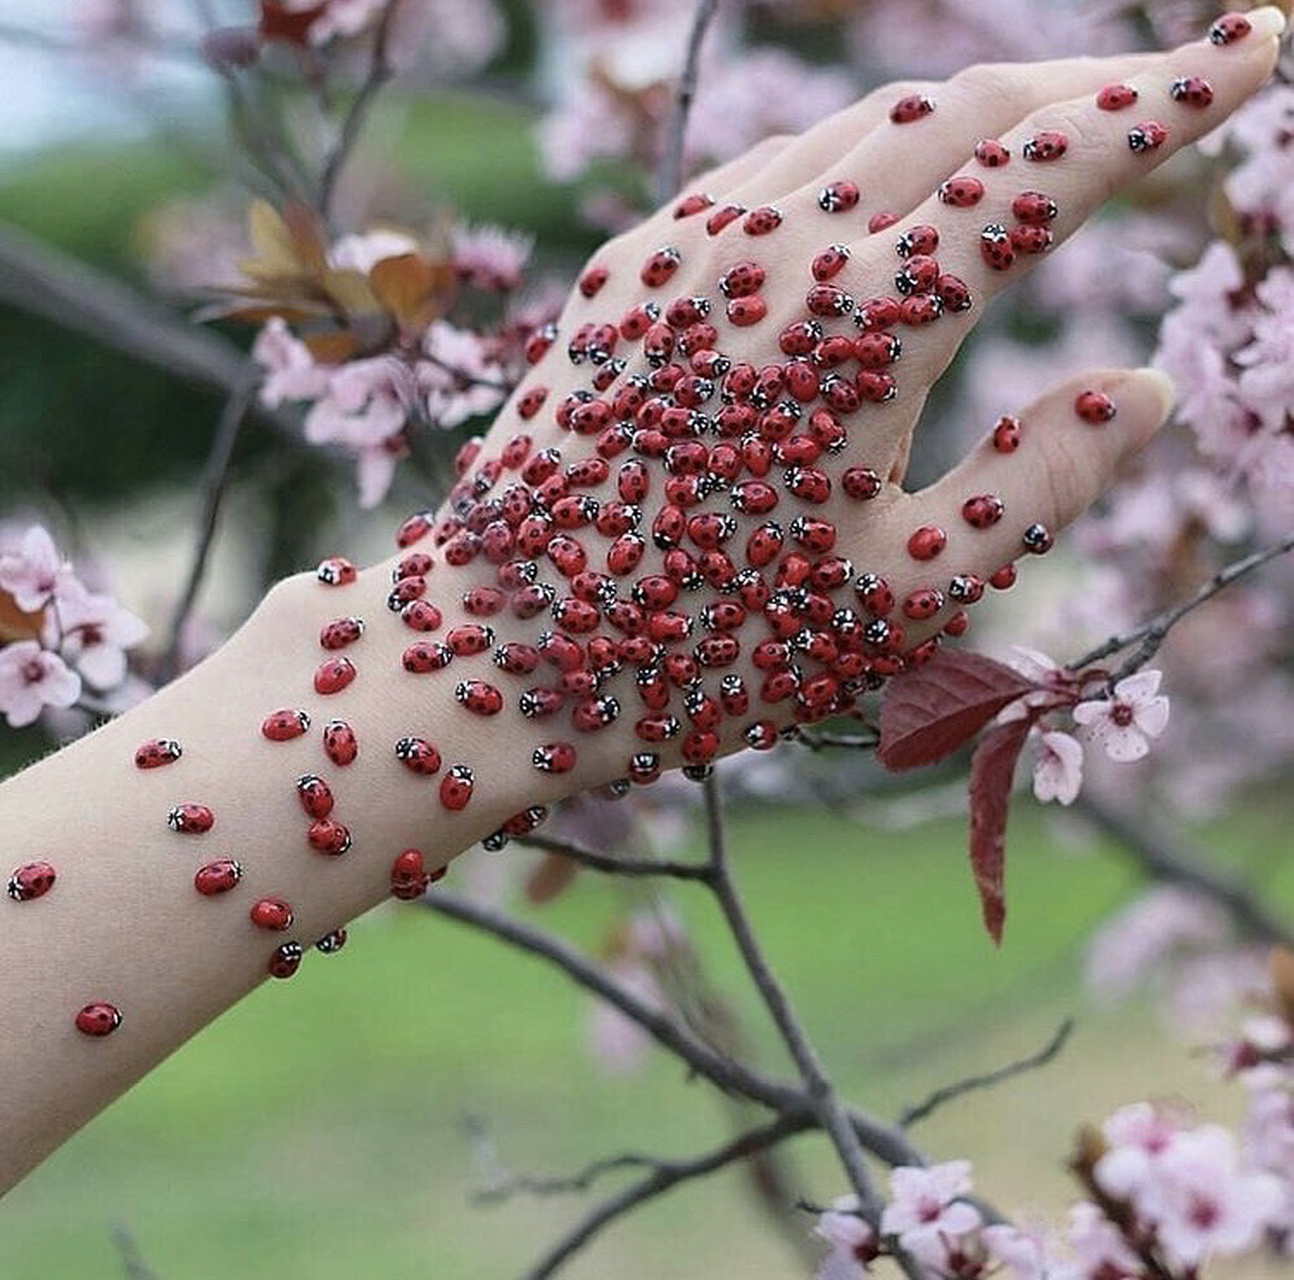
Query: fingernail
x=1267, y=22
x=1162, y=386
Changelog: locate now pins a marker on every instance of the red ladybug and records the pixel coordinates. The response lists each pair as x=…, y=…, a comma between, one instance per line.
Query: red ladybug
x=922, y=309
x=991, y=153
x=954, y=292
x=817, y=536
x=983, y=510
x=662, y=264
x=1037, y=539
x=1033, y=208
x=921, y=240
x=761, y=221
x=923, y=603
x=98, y=1019
x=1193, y=91
x=742, y=280
x=190, y=819
x=1116, y=97
x=336, y=572
x=1229, y=28
x=333, y=675
x=913, y=107
x=1150, y=135
x=692, y=204
x=516, y=658
x=1095, y=407
x=480, y=698
x=339, y=742
x=917, y=275
x=341, y=632
x=328, y=837
x=838, y=197
x=966, y=588
x=744, y=312
x=271, y=913
x=995, y=247
x=31, y=880
x=595, y=713
x=827, y=301
x=537, y=344
x=1006, y=435
x=421, y=615
x=1046, y=146
x=332, y=942
x=962, y=192
x=426, y=656
x=722, y=216
x=157, y=752
x=1005, y=577
x=418, y=756
x=1031, y=240
x=470, y=639
x=554, y=757
x=874, y=594
x=808, y=483
x=282, y=726
x=315, y=795
x=285, y=960
x=414, y=529
x=217, y=877
x=927, y=542
x=456, y=787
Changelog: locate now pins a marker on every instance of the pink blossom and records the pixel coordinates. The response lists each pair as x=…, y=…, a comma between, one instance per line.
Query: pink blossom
x=491, y=257
x=291, y=371
x=363, y=252
x=853, y=1241
x=617, y=1042
x=1138, y=1134
x=1267, y=377
x=32, y=678
x=1269, y=469
x=459, y=379
x=1026, y=1254
x=449, y=37
x=1267, y=1142
x=1262, y=185
x=926, y=1213
x=1058, y=768
x=34, y=571
x=588, y=126
x=1202, y=1203
x=1100, y=1247
x=92, y=632
x=1123, y=722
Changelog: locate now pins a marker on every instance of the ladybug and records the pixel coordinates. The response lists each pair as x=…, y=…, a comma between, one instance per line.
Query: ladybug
x=157, y=752
x=826, y=300
x=1116, y=97
x=1229, y=28
x=336, y=572
x=662, y=264
x=1031, y=240
x=315, y=795
x=425, y=656
x=995, y=247
x=808, y=483
x=760, y=736
x=832, y=573
x=190, y=819
x=922, y=309
x=838, y=197
x=912, y=107
x=644, y=767
x=958, y=624
x=962, y=192
x=744, y=312
x=692, y=204
x=217, y=877
x=271, y=913
x=456, y=787
x=919, y=241
x=722, y=216
x=764, y=544
x=991, y=153
x=537, y=344
x=334, y=675
x=332, y=942
x=717, y=651
x=927, y=542
x=658, y=728
x=711, y=530
x=723, y=615
x=1006, y=434
x=592, y=280
x=1095, y=407
x=98, y=1019
x=817, y=536
x=408, y=871
x=404, y=591
x=876, y=388
x=30, y=881
x=523, y=823
x=414, y=529
x=918, y=274
x=874, y=594
x=531, y=401
x=1033, y=208
x=480, y=698
x=877, y=350
x=415, y=565
x=327, y=836
x=683, y=312
x=1150, y=135
x=285, y=960
x=554, y=757
x=761, y=221
x=1046, y=146
x=966, y=588
x=923, y=603
x=516, y=658
x=1004, y=578
x=983, y=511
x=282, y=726
x=830, y=262
x=595, y=713
x=470, y=639
x=1193, y=91
x=418, y=756
x=1037, y=539
x=339, y=743
x=337, y=634
x=483, y=602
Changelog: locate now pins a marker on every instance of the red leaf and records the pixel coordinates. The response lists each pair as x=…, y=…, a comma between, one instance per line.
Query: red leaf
x=928, y=713
x=992, y=768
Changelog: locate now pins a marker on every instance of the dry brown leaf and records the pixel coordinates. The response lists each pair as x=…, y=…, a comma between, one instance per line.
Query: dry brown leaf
x=14, y=623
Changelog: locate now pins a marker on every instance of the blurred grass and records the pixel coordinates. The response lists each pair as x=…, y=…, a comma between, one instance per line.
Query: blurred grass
x=317, y=1129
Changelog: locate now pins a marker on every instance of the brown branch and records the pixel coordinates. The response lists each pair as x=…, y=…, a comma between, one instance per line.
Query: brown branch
x=132, y=1260
x=380, y=71
x=988, y=1079
x=1153, y=633
x=665, y=1175
x=818, y=739
x=669, y=178
x=616, y=865
x=43, y=281
x=1160, y=854
x=215, y=477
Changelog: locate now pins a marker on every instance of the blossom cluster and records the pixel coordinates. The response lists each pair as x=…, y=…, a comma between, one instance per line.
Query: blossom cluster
x=57, y=636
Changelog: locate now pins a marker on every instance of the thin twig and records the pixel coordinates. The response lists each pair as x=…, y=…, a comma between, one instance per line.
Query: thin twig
x=989, y=1078
x=615, y=865
x=128, y=1249
x=465, y=379
x=215, y=478
x=666, y=1175
x=380, y=71
x=1152, y=634
x=817, y=739
x=570, y=1184
x=1161, y=855
x=669, y=178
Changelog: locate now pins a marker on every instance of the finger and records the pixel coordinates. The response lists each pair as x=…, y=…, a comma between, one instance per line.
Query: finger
x=1029, y=478
x=715, y=185
x=896, y=165
x=1025, y=207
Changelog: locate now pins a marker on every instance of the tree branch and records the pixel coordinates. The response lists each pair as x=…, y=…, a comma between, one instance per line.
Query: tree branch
x=380, y=71
x=1159, y=853
x=666, y=1175
x=1153, y=633
x=948, y=1092
x=818, y=739
x=669, y=178
x=616, y=865
x=128, y=1250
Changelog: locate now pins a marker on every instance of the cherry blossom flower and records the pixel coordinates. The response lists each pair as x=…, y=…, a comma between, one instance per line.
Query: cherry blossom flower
x=853, y=1241
x=1025, y=1253
x=491, y=257
x=926, y=1213
x=458, y=379
x=291, y=371
x=1138, y=1134
x=448, y=37
x=1267, y=376
x=1058, y=768
x=1100, y=1247
x=1123, y=722
x=92, y=632
x=32, y=678
x=34, y=571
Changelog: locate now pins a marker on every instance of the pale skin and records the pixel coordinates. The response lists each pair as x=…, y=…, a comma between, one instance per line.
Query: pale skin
x=123, y=923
